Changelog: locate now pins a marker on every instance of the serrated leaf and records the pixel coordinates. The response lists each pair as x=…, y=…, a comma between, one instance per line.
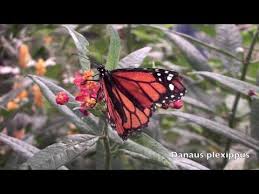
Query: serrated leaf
x=50, y=96
x=59, y=154
x=235, y=84
x=218, y=128
x=114, y=49
x=81, y=45
x=135, y=59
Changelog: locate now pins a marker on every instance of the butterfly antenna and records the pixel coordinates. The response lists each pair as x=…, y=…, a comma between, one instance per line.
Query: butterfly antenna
x=96, y=65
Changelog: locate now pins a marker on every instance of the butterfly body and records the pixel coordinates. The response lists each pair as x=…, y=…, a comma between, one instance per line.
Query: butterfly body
x=132, y=95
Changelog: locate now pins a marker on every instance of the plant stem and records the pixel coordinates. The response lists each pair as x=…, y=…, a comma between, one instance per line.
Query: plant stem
x=106, y=142
x=246, y=63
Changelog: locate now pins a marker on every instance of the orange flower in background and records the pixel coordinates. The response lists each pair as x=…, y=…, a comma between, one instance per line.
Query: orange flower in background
x=24, y=55
x=40, y=67
x=38, y=98
x=48, y=40
x=19, y=134
x=88, y=75
x=12, y=105
x=23, y=95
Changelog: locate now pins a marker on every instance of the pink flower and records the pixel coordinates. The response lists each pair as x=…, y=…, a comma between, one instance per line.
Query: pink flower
x=88, y=91
x=78, y=80
x=176, y=104
x=62, y=98
x=251, y=93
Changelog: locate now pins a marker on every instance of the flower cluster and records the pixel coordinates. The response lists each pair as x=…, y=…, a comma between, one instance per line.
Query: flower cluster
x=88, y=91
x=40, y=67
x=62, y=98
x=175, y=105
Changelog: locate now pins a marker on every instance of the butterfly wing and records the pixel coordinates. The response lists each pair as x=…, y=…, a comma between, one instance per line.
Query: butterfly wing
x=123, y=114
x=150, y=87
x=132, y=94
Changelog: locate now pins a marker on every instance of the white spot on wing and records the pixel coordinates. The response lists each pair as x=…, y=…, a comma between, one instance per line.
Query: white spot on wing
x=169, y=78
x=166, y=72
x=158, y=74
x=160, y=79
x=172, y=96
x=171, y=86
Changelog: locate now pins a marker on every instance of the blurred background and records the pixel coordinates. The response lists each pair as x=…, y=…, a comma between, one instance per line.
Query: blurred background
x=49, y=51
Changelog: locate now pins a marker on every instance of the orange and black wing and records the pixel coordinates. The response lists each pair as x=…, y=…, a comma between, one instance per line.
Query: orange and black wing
x=132, y=94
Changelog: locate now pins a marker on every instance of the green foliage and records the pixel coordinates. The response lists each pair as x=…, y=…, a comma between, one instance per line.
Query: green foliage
x=61, y=137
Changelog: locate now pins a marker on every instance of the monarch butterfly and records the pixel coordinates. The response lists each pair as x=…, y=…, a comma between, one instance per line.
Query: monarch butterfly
x=132, y=95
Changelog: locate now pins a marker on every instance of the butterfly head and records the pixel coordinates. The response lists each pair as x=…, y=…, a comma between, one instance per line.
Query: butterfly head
x=101, y=70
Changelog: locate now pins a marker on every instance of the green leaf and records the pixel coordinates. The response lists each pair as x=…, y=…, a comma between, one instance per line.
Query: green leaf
x=217, y=128
x=191, y=53
x=114, y=49
x=24, y=149
x=197, y=103
x=59, y=154
x=81, y=45
x=235, y=84
x=176, y=162
x=152, y=156
x=135, y=59
x=50, y=96
x=100, y=155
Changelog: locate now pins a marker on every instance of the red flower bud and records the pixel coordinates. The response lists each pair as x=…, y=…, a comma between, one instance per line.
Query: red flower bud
x=251, y=93
x=176, y=104
x=62, y=98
